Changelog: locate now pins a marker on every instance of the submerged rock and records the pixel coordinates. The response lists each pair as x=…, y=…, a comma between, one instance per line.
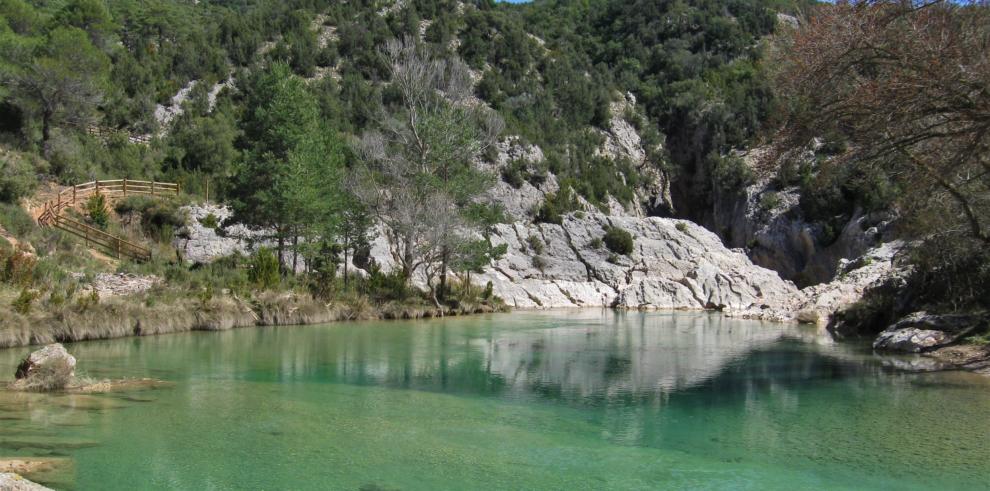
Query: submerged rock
x=10, y=481
x=921, y=332
x=50, y=368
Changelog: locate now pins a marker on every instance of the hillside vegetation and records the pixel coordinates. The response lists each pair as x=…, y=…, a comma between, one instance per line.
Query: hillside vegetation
x=316, y=119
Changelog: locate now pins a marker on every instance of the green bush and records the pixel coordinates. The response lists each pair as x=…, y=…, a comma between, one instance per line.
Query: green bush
x=264, y=271
x=158, y=218
x=618, y=241
x=25, y=301
x=555, y=205
x=681, y=227
x=385, y=287
x=769, y=201
x=731, y=174
x=210, y=221
x=96, y=210
x=15, y=220
x=17, y=179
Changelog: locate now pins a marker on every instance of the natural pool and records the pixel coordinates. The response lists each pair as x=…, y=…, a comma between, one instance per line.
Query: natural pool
x=552, y=400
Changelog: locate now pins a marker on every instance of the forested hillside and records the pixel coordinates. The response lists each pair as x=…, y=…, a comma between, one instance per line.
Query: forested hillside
x=90, y=73
x=317, y=119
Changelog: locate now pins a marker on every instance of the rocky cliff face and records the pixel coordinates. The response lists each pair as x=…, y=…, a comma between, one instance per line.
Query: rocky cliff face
x=674, y=265
x=769, y=223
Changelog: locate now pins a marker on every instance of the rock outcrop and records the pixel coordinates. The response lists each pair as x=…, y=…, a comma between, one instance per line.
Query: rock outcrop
x=675, y=264
x=49, y=368
x=207, y=237
x=119, y=284
x=920, y=332
x=769, y=223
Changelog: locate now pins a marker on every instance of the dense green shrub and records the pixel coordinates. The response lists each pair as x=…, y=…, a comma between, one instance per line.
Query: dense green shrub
x=263, y=270
x=25, y=301
x=97, y=211
x=159, y=218
x=209, y=221
x=555, y=205
x=17, y=179
x=618, y=241
x=15, y=220
x=385, y=287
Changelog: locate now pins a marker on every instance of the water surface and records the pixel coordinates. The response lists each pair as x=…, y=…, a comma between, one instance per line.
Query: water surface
x=558, y=400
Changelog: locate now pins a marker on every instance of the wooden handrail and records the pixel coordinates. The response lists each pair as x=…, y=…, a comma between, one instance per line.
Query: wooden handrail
x=113, y=188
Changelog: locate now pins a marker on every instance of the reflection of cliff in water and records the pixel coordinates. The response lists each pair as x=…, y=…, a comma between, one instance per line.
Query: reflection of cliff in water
x=583, y=357
x=631, y=354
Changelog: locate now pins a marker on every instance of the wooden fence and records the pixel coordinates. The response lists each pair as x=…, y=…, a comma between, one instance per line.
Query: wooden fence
x=52, y=216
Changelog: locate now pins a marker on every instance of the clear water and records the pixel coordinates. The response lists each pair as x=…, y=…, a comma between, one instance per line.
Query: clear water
x=559, y=400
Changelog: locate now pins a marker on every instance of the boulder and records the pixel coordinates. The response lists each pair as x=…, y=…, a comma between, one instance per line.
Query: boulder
x=50, y=368
x=920, y=332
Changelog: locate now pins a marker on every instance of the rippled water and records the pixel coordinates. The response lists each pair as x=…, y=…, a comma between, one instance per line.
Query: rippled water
x=560, y=400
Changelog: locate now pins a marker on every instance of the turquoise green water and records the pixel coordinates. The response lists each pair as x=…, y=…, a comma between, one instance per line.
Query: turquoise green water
x=562, y=400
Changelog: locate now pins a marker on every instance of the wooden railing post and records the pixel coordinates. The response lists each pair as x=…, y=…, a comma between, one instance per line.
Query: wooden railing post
x=73, y=195
x=152, y=188
x=125, y=187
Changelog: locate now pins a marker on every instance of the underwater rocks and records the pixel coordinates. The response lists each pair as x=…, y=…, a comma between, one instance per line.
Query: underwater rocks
x=10, y=481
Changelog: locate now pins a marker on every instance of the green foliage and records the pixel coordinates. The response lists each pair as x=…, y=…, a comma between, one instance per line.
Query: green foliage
x=17, y=266
x=97, y=211
x=769, y=201
x=681, y=227
x=17, y=178
x=385, y=287
x=263, y=269
x=65, y=81
x=618, y=240
x=472, y=256
x=25, y=301
x=730, y=172
x=158, y=218
x=209, y=221
x=519, y=171
x=15, y=220
x=555, y=205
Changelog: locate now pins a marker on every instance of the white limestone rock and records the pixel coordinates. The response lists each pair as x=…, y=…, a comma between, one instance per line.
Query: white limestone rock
x=675, y=265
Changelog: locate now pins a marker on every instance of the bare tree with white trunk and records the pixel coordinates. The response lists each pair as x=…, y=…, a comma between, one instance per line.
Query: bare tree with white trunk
x=417, y=172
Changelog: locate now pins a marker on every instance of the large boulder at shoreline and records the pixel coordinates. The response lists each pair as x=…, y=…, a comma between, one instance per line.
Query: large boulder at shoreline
x=49, y=368
x=921, y=332
x=14, y=482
